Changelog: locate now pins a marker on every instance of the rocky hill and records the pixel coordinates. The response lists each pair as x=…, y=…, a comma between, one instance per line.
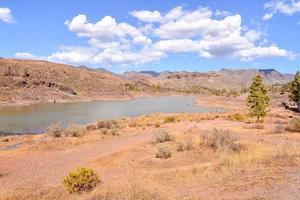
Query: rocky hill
x=33, y=81
x=223, y=79
x=42, y=81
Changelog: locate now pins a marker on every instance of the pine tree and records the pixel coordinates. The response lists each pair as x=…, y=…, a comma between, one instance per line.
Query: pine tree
x=295, y=90
x=258, y=99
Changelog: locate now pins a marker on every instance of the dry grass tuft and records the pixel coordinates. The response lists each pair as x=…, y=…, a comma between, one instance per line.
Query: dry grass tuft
x=163, y=136
x=163, y=151
x=221, y=141
x=294, y=125
x=55, y=130
x=74, y=130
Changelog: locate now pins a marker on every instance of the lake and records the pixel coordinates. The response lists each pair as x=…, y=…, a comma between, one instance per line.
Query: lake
x=35, y=118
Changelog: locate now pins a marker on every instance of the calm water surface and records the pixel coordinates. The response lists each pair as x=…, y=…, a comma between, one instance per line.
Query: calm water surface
x=35, y=118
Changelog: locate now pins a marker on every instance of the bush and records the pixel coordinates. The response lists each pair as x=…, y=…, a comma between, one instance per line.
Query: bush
x=187, y=146
x=91, y=127
x=279, y=128
x=238, y=117
x=55, y=130
x=163, y=152
x=163, y=137
x=294, y=125
x=74, y=130
x=81, y=180
x=220, y=140
x=104, y=124
x=169, y=119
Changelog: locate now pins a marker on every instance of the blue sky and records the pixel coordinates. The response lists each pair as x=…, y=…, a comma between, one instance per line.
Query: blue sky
x=154, y=35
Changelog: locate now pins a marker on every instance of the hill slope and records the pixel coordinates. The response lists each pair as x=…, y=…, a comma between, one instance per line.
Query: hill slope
x=41, y=81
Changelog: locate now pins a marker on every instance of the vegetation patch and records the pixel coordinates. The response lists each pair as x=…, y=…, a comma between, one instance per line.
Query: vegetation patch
x=81, y=180
x=55, y=130
x=294, y=125
x=164, y=152
x=221, y=140
x=170, y=119
x=163, y=136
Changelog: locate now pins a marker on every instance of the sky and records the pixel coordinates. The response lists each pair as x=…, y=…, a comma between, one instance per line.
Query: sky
x=126, y=35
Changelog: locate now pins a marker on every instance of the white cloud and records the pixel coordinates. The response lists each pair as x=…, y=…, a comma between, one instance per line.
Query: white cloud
x=25, y=55
x=267, y=16
x=202, y=31
x=220, y=13
x=76, y=55
x=147, y=16
x=288, y=7
x=6, y=15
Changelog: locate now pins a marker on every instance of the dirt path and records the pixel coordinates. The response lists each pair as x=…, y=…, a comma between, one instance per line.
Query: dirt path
x=48, y=168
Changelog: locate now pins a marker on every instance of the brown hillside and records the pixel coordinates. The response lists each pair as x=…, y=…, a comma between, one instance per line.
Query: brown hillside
x=42, y=81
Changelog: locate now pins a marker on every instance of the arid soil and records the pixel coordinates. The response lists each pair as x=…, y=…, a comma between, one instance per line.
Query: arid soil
x=266, y=167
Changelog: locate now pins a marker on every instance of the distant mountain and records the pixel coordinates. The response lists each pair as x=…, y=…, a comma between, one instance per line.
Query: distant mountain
x=223, y=79
x=42, y=81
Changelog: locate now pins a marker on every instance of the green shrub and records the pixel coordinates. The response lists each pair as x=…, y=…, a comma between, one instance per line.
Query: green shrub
x=169, y=119
x=163, y=137
x=294, y=125
x=81, y=180
x=238, y=117
x=55, y=130
x=163, y=152
x=74, y=130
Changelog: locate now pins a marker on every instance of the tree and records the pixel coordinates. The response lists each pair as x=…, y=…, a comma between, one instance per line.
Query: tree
x=295, y=90
x=258, y=99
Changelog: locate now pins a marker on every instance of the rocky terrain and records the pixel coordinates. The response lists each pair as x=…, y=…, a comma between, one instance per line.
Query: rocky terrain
x=224, y=79
x=33, y=81
x=40, y=81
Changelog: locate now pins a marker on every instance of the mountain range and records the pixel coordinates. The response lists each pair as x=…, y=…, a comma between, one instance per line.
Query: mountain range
x=42, y=81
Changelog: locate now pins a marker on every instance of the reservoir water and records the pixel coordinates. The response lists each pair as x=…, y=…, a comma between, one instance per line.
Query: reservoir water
x=35, y=118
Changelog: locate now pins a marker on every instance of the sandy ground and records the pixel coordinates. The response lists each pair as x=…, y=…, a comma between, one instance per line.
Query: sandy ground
x=132, y=154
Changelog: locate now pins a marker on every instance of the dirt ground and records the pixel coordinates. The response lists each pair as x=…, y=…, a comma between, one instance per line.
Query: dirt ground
x=266, y=168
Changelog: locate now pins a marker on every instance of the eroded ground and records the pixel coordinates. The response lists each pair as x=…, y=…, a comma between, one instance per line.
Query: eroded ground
x=262, y=162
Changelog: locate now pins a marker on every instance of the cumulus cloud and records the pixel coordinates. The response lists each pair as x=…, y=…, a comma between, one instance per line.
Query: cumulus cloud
x=6, y=15
x=202, y=31
x=288, y=7
x=147, y=16
x=25, y=55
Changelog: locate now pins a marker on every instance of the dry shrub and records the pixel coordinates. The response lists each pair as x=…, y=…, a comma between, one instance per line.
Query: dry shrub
x=254, y=155
x=109, y=124
x=35, y=192
x=128, y=191
x=164, y=152
x=81, y=180
x=55, y=130
x=294, y=125
x=278, y=129
x=238, y=117
x=156, y=125
x=184, y=146
x=255, y=126
x=91, y=127
x=170, y=119
x=220, y=140
x=74, y=130
x=132, y=124
x=162, y=137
